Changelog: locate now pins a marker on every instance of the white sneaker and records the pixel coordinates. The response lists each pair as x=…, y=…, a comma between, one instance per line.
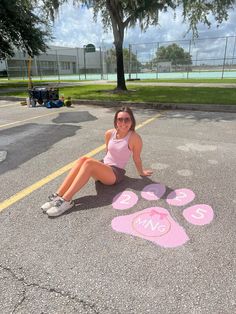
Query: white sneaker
x=59, y=207
x=50, y=203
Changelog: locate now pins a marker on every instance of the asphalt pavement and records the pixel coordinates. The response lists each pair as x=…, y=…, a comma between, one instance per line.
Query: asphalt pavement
x=163, y=244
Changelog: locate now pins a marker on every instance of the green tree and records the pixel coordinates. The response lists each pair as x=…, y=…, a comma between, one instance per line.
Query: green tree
x=173, y=53
x=21, y=28
x=131, y=62
x=122, y=14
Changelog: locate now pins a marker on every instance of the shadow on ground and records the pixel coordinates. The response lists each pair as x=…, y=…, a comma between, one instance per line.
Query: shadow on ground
x=22, y=143
x=105, y=194
x=74, y=117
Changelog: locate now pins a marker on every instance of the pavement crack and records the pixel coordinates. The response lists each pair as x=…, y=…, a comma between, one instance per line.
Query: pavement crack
x=20, y=302
x=8, y=270
x=68, y=295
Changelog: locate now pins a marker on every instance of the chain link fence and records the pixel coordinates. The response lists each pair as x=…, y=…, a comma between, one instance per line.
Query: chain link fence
x=207, y=58
x=58, y=63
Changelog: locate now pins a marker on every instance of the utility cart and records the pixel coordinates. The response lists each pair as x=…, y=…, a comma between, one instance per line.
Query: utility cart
x=42, y=95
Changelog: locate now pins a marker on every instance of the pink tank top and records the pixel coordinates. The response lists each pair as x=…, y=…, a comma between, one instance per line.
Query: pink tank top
x=118, y=152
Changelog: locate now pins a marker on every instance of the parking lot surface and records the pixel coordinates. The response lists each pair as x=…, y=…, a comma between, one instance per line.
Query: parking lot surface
x=162, y=244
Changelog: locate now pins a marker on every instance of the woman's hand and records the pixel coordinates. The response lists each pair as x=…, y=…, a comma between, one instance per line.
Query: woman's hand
x=146, y=173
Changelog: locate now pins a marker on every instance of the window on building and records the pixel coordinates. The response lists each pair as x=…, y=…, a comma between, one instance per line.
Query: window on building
x=65, y=65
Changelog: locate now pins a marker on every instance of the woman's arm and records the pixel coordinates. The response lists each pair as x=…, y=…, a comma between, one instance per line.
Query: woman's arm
x=107, y=137
x=136, y=145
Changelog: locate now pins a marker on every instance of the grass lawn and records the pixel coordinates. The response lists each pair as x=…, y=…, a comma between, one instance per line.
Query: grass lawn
x=191, y=95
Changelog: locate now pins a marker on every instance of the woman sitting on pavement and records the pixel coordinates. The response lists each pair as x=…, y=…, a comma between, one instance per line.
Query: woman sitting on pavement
x=121, y=142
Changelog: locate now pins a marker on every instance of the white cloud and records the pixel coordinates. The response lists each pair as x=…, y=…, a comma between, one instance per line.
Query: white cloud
x=75, y=27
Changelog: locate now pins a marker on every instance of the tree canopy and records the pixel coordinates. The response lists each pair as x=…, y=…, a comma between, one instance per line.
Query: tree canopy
x=131, y=62
x=21, y=28
x=173, y=53
x=119, y=15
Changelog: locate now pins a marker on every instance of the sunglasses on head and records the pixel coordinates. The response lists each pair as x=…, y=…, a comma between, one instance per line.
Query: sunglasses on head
x=125, y=120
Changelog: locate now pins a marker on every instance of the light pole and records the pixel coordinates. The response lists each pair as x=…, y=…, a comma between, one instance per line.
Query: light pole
x=102, y=58
x=84, y=61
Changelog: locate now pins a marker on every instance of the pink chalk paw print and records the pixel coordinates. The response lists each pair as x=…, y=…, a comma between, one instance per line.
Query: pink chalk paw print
x=155, y=224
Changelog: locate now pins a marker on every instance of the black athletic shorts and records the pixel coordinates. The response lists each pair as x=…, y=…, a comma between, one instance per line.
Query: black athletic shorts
x=119, y=172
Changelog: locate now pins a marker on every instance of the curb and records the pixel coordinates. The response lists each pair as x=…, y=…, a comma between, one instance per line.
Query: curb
x=159, y=106
x=144, y=105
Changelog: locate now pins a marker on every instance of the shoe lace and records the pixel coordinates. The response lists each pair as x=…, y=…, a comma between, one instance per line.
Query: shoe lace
x=52, y=196
x=59, y=202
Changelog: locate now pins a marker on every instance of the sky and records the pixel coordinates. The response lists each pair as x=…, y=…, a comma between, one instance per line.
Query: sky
x=74, y=27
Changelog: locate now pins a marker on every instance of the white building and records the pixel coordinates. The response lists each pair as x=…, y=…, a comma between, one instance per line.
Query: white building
x=57, y=61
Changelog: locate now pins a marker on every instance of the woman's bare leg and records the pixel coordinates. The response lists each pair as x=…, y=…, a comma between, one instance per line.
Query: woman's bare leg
x=90, y=168
x=71, y=176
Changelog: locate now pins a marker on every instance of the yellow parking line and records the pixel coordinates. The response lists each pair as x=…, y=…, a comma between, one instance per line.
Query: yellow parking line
x=147, y=121
x=32, y=118
x=23, y=193
x=2, y=106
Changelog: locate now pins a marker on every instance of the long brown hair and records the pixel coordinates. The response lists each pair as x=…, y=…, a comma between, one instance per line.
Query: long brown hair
x=130, y=112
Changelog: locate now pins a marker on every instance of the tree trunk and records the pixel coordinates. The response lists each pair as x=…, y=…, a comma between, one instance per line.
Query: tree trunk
x=116, y=15
x=120, y=67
